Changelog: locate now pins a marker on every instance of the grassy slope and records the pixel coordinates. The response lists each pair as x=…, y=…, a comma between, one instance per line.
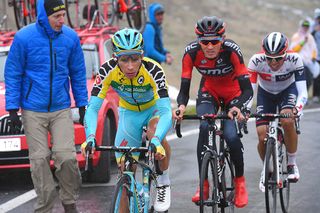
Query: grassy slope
x=248, y=21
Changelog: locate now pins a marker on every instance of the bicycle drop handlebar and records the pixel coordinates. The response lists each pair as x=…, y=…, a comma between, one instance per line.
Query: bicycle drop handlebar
x=177, y=124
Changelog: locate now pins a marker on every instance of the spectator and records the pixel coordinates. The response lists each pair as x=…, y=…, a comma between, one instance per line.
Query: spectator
x=44, y=59
x=303, y=43
x=152, y=36
x=316, y=35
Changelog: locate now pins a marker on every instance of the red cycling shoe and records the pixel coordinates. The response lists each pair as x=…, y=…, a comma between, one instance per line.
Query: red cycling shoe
x=196, y=197
x=241, y=194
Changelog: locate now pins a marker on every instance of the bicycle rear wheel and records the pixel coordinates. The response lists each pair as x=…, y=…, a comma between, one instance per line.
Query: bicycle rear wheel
x=209, y=172
x=24, y=12
x=122, y=192
x=73, y=13
x=227, y=205
x=136, y=14
x=285, y=187
x=270, y=171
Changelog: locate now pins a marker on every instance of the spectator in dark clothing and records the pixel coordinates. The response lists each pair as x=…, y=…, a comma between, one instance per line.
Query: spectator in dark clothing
x=152, y=35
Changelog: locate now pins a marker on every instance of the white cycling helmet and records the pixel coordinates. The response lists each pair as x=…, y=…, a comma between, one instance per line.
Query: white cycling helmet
x=275, y=44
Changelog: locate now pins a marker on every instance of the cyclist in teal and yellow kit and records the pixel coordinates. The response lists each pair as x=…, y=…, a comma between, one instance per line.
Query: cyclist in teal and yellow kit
x=144, y=101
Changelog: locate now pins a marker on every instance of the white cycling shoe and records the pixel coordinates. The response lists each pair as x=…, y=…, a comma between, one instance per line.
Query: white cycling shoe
x=293, y=173
x=163, y=198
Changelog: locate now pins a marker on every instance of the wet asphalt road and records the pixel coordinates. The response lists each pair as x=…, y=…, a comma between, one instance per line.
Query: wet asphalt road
x=183, y=171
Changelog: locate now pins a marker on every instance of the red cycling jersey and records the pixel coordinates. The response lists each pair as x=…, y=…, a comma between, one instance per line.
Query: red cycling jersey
x=221, y=74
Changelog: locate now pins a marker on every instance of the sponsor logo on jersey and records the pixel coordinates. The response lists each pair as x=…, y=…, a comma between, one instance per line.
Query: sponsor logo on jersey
x=233, y=46
x=219, y=60
x=140, y=80
x=98, y=80
x=161, y=84
x=258, y=60
x=292, y=59
x=217, y=71
x=283, y=77
x=203, y=61
x=191, y=46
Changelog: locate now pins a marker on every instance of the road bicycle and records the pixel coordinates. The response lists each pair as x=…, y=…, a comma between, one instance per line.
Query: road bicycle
x=275, y=162
x=105, y=12
x=216, y=165
x=25, y=11
x=137, y=195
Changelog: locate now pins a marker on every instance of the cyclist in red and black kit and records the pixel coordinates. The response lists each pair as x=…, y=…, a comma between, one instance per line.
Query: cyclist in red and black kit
x=224, y=77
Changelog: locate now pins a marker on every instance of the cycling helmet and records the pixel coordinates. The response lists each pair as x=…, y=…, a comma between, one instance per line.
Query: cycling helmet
x=209, y=26
x=127, y=42
x=275, y=44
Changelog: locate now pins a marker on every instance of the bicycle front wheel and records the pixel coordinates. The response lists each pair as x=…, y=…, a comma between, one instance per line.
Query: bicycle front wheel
x=209, y=200
x=227, y=187
x=23, y=11
x=122, y=197
x=285, y=187
x=136, y=14
x=270, y=182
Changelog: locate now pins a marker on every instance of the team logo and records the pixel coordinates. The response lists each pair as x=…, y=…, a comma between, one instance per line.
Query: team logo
x=98, y=80
x=140, y=80
x=203, y=61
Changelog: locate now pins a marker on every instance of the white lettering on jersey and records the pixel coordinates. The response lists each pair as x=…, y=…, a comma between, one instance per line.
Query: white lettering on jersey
x=233, y=46
x=275, y=81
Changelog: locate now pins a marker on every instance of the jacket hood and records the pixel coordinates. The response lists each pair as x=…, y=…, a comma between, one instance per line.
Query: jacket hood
x=43, y=21
x=152, y=12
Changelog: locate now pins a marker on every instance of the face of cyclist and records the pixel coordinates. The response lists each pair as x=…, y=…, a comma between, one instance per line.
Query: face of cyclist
x=159, y=17
x=275, y=62
x=130, y=64
x=56, y=20
x=211, y=46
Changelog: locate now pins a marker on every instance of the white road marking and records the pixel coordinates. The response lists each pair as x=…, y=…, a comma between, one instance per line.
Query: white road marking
x=21, y=199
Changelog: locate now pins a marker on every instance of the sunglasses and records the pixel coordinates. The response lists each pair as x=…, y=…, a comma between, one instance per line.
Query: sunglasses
x=213, y=41
x=133, y=57
x=277, y=58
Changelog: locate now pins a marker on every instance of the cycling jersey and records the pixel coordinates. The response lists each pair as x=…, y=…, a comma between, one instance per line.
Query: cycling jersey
x=136, y=94
x=141, y=99
x=275, y=82
x=221, y=74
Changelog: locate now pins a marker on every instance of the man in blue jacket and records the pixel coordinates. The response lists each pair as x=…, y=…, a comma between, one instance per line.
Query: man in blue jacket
x=44, y=60
x=152, y=35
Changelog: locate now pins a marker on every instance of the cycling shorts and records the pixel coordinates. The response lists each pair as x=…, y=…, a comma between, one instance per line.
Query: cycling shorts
x=269, y=103
x=130, y=127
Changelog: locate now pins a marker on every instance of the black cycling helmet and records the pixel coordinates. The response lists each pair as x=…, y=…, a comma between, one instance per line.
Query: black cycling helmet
x=209, y=26
x=275, y=44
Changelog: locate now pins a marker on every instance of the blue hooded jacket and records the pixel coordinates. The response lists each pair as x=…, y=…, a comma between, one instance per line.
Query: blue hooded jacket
x=41, y=65
x=152, y=35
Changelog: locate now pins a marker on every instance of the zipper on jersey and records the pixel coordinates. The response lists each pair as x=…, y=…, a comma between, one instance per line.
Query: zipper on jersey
x=133, y=97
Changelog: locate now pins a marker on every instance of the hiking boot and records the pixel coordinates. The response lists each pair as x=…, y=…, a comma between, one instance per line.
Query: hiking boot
x=163, y=199
x=241, y=195
x=293, y=173
x=70, y=208
x=196, y=197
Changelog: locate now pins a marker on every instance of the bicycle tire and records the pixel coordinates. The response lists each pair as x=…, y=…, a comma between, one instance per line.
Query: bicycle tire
x=136, y=14
x=227, y=187
x=73, y=20
x=270, y=177
x=21, y=18
x=284, y=190
x=123, y=183
x=209, y=171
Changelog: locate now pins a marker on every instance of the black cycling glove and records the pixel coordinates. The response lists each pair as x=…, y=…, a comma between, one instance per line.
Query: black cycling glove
x=82, y=112
x=14, y=121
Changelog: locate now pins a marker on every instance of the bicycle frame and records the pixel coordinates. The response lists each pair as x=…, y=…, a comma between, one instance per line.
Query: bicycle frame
x=148, y=175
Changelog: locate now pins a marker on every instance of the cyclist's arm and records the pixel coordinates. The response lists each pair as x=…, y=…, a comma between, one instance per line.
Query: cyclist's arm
x=302, y=88
x=253, y=79
x=165, y=120
x=91, y=116
x=243, y=78
x=186, y=75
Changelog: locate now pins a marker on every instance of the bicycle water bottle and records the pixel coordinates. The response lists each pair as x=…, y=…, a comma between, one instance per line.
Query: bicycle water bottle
x=140, y=194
